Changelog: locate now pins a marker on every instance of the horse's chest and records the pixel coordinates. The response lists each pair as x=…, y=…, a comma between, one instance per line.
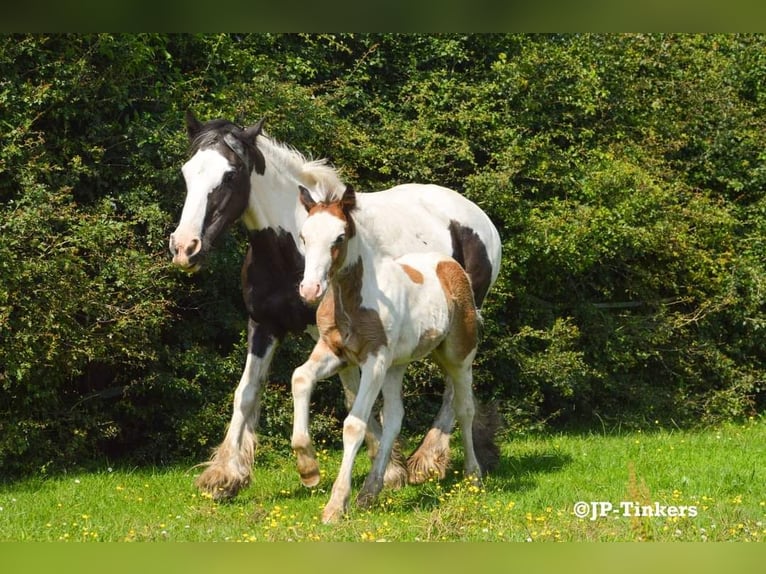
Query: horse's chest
x=272, y=269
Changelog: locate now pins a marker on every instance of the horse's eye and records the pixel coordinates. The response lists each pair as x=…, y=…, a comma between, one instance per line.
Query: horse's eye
x=340, y=238
x=228, y=176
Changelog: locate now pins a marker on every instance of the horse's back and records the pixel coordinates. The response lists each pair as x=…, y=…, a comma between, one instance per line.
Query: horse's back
x=423, y=217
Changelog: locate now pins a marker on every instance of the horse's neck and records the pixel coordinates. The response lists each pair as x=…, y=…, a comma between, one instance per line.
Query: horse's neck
x=274, y=194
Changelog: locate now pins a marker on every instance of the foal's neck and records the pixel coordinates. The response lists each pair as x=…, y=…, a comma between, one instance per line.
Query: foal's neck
x=358, y=268
x=353, y=259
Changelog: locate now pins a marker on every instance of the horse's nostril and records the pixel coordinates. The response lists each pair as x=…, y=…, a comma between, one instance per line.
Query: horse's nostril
x=194, y=247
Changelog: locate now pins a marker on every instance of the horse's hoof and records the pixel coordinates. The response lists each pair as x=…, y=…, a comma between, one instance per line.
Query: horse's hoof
x=396, y=475
x=366, y=499
x=220, y=486
x=308, y=469
x=431, y=459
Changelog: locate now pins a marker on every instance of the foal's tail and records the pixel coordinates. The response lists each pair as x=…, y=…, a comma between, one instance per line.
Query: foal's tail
x=487, y=423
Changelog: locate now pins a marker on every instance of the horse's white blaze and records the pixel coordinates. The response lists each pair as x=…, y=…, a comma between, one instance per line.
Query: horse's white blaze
x=202, y=173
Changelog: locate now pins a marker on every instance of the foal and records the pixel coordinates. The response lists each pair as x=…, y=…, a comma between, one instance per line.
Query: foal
x=381, y=314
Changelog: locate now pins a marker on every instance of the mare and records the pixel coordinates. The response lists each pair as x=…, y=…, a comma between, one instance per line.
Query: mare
x=238, y=173
x=379, y=313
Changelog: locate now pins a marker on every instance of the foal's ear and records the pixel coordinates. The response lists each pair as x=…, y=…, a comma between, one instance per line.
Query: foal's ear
x=193, y=125
x=306, y=200
x=348, y=201
x=250, y=135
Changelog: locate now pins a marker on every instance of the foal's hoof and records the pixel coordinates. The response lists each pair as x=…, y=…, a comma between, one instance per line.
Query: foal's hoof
x=332, y=515
x=311, y=479
x=474, y=478
x=308, y=468
x=369, y=492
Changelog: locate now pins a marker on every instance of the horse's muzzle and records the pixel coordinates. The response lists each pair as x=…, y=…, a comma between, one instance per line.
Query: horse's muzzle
x=186, y=253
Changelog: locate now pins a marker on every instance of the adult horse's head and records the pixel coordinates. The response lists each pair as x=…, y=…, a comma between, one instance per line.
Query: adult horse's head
x=223, y=157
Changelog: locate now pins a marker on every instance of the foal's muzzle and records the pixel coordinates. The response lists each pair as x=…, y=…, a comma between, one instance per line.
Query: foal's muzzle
x=311, y=291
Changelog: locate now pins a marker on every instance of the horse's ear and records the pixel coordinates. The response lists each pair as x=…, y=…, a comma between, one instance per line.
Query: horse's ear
x=306, y=200
x=348, y=201
x=255, y=130
x=193, y=125
x=250, y=135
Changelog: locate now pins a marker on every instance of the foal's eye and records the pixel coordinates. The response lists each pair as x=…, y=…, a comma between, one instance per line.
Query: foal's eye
x=228, y=176
x=339, y=239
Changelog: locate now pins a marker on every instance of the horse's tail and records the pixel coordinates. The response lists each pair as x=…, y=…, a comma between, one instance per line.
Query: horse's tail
x=487, y=423
x=479, y=324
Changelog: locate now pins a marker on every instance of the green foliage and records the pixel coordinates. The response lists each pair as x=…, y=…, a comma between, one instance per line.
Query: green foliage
x=625, y=173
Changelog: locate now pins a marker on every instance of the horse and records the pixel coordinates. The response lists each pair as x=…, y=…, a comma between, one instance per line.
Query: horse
x=380, y=313
x=240, y=173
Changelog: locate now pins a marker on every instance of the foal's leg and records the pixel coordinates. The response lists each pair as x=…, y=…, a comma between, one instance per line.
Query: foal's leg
x=462, y=378
x=230, y=468
x=354, y=427
x=321, y=364
x=393, y=412
x=396, y=471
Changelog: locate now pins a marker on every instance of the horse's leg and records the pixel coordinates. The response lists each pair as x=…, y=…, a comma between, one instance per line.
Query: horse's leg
x=321, y=364
x=354, y=428
x=230, y=468
x=396, y=471
x=393, y=412
x=432, y=456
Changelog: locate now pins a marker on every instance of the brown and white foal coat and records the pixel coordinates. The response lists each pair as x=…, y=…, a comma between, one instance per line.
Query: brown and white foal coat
x=380, y=313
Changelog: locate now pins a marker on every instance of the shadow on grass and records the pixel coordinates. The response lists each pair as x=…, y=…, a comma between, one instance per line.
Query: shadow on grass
x=513, y=474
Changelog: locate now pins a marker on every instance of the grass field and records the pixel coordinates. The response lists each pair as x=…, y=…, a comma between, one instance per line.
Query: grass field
x=664, y=485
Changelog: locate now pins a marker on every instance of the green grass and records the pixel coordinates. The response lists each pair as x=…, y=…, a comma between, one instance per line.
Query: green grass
x=530, y=497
